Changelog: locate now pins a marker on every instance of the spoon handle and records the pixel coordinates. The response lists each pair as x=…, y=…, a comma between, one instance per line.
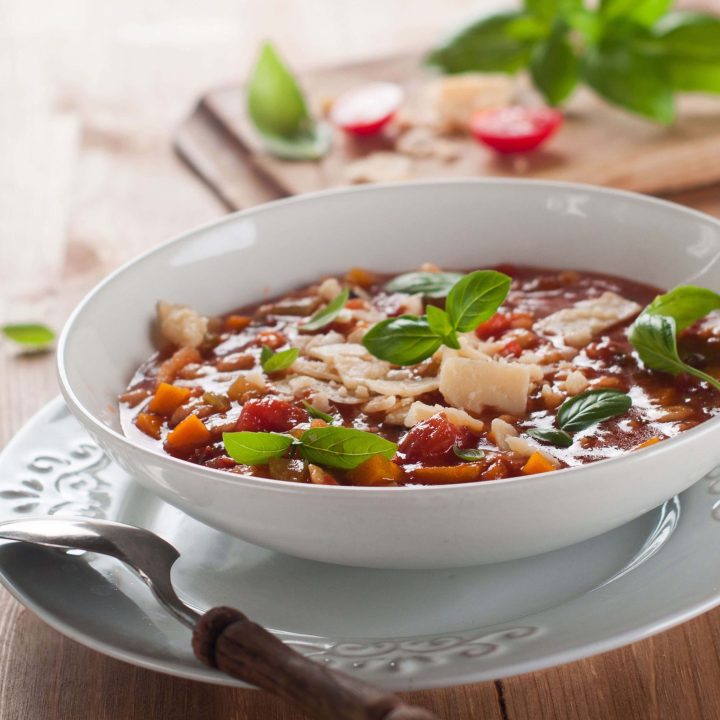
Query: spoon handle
x=225, y=639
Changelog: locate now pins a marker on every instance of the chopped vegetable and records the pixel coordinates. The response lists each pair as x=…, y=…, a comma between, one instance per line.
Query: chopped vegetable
x=447, y=475
x=365, y=110
x=168, y=398
x=537, y=463
x=191, y=432
x=376, y=470
x=515, y=129
x=150, y=424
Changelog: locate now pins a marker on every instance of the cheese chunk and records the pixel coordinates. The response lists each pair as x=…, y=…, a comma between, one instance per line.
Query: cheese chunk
x=473, y=384
x=586, y=318
x=181, y=325
x=457, y=97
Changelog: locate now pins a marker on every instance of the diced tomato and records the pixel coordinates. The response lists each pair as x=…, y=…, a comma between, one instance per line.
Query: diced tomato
x=512, y=349
x=515, y=129
x=365, y=110
x=496, y=326
x=431, y=441
x=270, y=414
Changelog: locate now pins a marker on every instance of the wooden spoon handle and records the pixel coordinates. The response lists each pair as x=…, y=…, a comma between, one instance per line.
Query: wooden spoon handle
x=225, y=639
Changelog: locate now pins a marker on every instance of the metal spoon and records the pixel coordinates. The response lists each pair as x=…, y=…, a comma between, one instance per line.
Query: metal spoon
x=223, y=638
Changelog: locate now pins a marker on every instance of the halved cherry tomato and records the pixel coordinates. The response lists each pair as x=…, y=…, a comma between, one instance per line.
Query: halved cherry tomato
x=366, y=109
x=515, y=129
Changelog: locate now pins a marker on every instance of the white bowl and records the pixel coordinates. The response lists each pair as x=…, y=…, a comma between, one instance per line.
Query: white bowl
x=474, y=223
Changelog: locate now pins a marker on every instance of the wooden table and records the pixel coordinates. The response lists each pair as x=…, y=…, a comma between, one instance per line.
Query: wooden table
x=91, y=93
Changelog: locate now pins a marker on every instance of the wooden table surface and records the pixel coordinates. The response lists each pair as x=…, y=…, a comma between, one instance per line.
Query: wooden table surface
x=91, y=92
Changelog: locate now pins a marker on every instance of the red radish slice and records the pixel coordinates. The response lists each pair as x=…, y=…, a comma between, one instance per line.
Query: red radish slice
x=515, y=129
x=366, y=109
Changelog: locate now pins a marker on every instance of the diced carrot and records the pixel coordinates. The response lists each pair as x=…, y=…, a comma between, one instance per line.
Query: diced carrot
x=647, y=443
x=237, y=322
x=168, y=398
x=446, y=475
x=360, y=276
x=376, y=470
x=149, y=423
x=537, y=463
x=190, y=433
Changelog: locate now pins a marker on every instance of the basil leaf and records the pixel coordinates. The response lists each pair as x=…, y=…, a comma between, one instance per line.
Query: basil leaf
x=319, y=414
x=273, y=362
x=591, y=407
x=654, y=337
x=430, y=284
x=686, y=304
x=310, y=147
x=690, y=44
x=405, y=340
x=343, y=448
x=645, y=12
x=554, y=67
x=475, y=298
x=28, y=334
x=558, y=438
x=550, y=10
x=619, y=72
x=278, y=110
x=468, y=454
x=485, y=46
x=255, y=448
x=324, y=316
x=439, y=323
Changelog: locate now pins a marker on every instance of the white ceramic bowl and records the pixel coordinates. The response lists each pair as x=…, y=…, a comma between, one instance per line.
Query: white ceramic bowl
x=475, y=223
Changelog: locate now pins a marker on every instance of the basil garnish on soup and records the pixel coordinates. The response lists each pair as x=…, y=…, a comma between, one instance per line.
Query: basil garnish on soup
x=325, y=315
x=429, y=284
x=410, y=339
x=592, y=407
x=654, y=332
x=332, y=447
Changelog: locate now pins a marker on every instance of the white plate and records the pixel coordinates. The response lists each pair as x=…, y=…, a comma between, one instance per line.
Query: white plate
x=400, y=629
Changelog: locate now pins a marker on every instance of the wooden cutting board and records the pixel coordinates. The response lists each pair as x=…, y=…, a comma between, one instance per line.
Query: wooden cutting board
x=598, y=144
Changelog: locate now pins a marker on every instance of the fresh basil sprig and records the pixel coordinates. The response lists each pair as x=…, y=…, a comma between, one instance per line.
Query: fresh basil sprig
x=31, y=335
x=429, y=284
x=325, y=315
x=475, y=298
x=410, y=339
x=468, y=454
x=590, y=408
x=633, y=53
x=654, y=332
x=558, y=438
x=276, y=105
x=334, y=447
x=343, y=448
x=313, y=412
x=256, y=448
x=273, y=362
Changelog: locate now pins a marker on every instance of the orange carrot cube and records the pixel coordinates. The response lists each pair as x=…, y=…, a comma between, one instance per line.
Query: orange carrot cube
x=377, y=470
x=150, y=424
x=168, y=398
x=190, y=433
x=537, y=463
